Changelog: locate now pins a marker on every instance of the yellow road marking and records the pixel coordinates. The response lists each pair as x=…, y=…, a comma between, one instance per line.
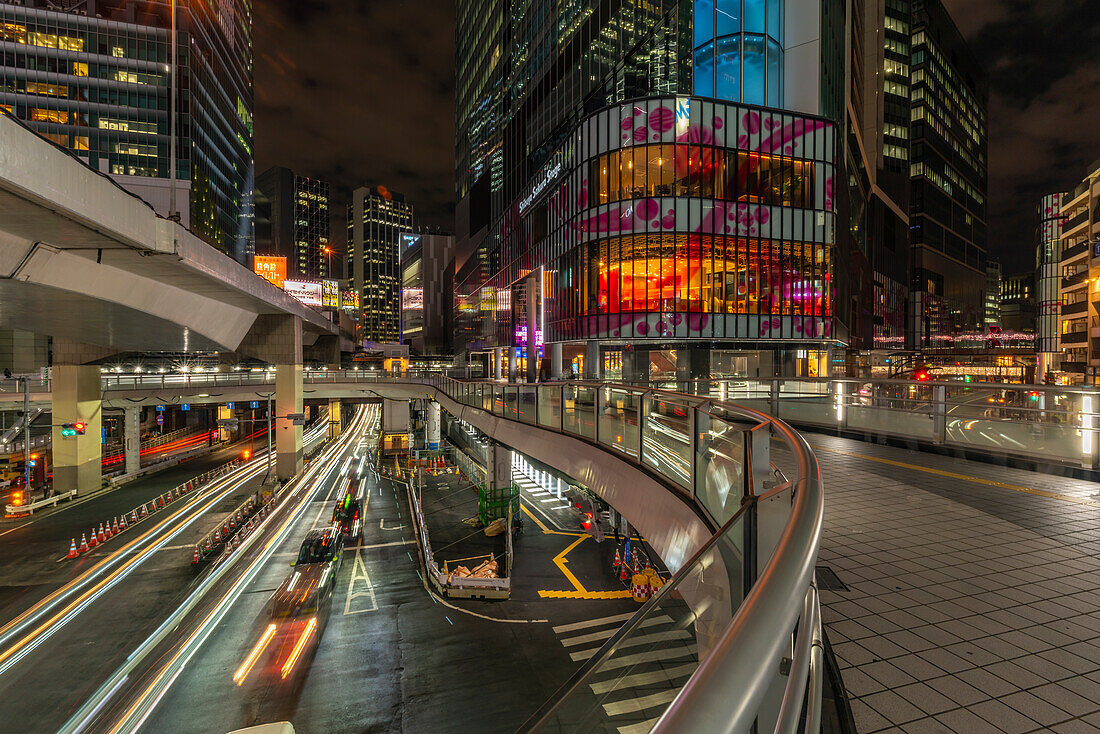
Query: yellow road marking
x=620, y=594
x=965, y=477
x=560, y=561
x=546, y=530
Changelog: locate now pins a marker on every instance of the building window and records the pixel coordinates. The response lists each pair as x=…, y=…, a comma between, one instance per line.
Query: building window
x=735, y=60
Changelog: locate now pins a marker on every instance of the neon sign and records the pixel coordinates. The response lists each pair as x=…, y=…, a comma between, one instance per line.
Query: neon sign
x=521, y=335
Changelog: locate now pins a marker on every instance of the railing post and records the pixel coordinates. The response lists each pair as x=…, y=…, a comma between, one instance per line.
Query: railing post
x=1088, y=432
x=773, y=396
x=597, y=404
x=939, y=414
x=841, y=405
x=561, y=408
x=642, y=413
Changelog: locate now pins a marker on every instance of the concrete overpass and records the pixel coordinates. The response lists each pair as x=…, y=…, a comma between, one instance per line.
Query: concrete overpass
x=94, y=267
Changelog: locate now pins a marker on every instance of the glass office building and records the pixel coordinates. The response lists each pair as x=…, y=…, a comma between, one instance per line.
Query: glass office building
x=1048, y=254
x=292, y=220
x=653, y=179
x=377, y=217
x=94, y=77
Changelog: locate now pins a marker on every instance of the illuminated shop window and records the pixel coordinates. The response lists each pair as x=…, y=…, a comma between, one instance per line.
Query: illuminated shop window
x=59, y=116
x=701, y=171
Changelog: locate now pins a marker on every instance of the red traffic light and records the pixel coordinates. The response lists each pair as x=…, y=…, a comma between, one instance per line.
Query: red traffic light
x=79, y=426
x=922, y=375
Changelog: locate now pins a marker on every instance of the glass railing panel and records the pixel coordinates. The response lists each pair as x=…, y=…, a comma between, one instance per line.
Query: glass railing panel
x=579, y=411
x=628, y=683
x=1045, y=439
x=807, y=402
x=525, y=403
x=498, y=400
x=550, y=405
x=889, y=408
x=666, y=439
x=719, y=466
x=619, y=420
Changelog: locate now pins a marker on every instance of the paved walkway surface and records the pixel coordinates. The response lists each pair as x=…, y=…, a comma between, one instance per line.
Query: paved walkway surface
x=973, y=600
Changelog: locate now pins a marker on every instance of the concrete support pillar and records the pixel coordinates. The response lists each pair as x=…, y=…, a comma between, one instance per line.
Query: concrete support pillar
x=131, y=442
x=502, y=467
x=635, y=365
x=288, y=437
x=498, y=363
x=692, y=363
x=432, y=428
x=555, y=361
x=77, y=398
x=224, y=414
x=334, y=419
x=512, y=365
x=22, y=352
x=592, y=365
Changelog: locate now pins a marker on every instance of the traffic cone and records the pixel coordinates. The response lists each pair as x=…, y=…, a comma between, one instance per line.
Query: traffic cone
x=122, y=523
x=73, y=552
x=93, y=542
x=160, y=502
x=133, y=517
x=195, y=558
x=107, y=531
x=144, y=512
x=618, y=560
x=101, y=538
x=624, y=572
x=208, y=546
x=84, y=544
x=116, y=526
x=634, y=560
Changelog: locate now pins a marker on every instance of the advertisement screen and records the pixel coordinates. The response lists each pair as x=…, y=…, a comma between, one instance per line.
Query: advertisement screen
x=412, y=299
x=330, y=294
x=271, y=268
x=307, y=293
x=350, y=299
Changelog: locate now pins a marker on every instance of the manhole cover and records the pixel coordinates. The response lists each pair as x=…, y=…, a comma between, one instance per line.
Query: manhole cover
x=828, y=580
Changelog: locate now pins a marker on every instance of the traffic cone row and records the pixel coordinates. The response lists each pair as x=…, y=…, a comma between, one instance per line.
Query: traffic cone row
x=84, y=544
x=73, y=552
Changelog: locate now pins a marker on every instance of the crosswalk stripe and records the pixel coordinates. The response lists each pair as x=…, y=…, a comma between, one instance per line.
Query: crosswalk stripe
x=566, y=506
x=599, y=622
x=644, y=679
x=634, y=705
x=642, y=727
x=667, y=653
x=604, y=634
x=549, y=499
x=666, y=636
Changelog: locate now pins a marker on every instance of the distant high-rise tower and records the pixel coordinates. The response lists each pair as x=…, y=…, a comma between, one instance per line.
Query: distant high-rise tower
x=376, y=219
x=1048, y=254
x=95, y=77
x=947, y=152
x=292, y=220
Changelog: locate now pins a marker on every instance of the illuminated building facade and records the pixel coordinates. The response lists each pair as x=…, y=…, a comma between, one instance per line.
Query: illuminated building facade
x=93, y=76
x=655, y=187
x=376, y=219
x=292, y=220
x=947, y=149
x=427, y=288
x=1048, y=253
x=1079, y=285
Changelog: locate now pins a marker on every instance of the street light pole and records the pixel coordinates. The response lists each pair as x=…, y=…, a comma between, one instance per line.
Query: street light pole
x=172, y=69
x=27, y=437
x=269, y=411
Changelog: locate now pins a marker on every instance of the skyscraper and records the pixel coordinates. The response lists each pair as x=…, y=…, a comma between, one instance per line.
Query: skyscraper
x=376, y=219
x=648, y=186
x=949, y=99
x=1048, y=253
x=293, y=221
x=95, y=77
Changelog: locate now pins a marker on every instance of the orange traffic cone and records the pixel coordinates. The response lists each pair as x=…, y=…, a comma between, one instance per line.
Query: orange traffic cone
x=84, y=544
x=122, y=523
x=624, y=572
x=101, y=538
x=618, y=560
x=195, y=558
x=93, y=542
x=73, y=552
x=107, y=531
x=116, y=526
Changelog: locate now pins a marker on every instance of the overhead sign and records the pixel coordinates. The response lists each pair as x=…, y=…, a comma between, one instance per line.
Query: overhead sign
x=350, y=299
x=330, y=294
x=306, y=292
x=298, y=419
x=412, y=299
x=185, y=406
x=271, y=268
x=160, y=419
x=229, y=406
x=254, y=404
x=160, y=408
x=540, y=185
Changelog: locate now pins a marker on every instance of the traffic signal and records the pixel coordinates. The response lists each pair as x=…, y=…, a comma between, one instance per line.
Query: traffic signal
x=922, y=375
x=247, y=454
x=69, y=430
x=17, y=498
x=1033, y=394
x=590, y=519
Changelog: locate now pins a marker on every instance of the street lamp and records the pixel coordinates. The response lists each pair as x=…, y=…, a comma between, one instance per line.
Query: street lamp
x=328, y=260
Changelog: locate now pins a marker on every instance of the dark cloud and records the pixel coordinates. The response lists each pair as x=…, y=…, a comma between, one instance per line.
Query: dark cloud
x=1044, y=78
x=359, y=92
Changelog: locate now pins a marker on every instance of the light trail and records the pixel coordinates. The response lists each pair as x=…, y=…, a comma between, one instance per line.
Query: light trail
x=173, y=664
x=261, y=644
x=288, y=666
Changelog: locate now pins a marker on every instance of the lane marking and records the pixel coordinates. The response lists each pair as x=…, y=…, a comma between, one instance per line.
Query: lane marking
x=560, y=561
x=963, y=477
x=599, y=621
x=605, y=634
x=591, y=595
x=15, y=528
x=663, y=675
x=382, y=525
x=359, y=572
x=550, y=499
x=635, y=705
x=380, y=545
x=650, y=656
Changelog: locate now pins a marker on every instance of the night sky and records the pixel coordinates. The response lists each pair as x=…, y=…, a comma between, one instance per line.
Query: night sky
x=363, y=92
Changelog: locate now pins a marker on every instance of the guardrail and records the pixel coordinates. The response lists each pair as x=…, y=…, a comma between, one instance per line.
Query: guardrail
x=30, y=508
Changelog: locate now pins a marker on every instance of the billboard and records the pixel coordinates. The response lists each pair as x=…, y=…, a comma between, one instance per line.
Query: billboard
x=330, y=294
x=306, y=292
x=271, y=268
x=412, y=299
x=349, y=299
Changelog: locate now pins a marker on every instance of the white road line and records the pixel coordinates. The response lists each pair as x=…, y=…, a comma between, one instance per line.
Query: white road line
x=382, y=525
x=566, y=506
x=572, y=626
x=380, y=545
x=664, y=675
x=15, y=528
x=359, y=573
x=604, y=634
x=665, y=653
x=549, y=499
x=634, y=641
x=634, y=705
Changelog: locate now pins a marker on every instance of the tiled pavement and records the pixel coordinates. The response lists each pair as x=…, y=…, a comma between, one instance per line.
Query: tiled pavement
x=972, y=607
